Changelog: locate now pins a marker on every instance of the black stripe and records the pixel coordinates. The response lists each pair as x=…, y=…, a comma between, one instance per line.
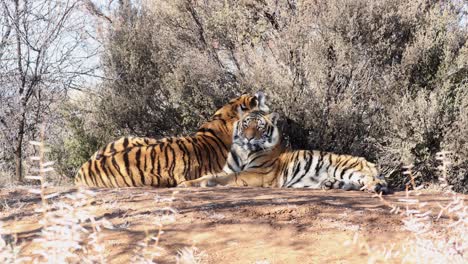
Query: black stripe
x=125, y=143
x=99, y=174
x=284, y=171
x=84, y=176
x=184, y=154
x=197, y=157
x=354, y=164
x=206, y=148
x=158, y=164
x=207, y=130
x=172, y=166
x=221, y=149
x=127, y=168
x=265, y=164
x=187, y=170
x=91, y=174
x=153, y=159
x=297, y=165
x=235, y=158
x=117, y=168
x=104, y=170
x=138, y=165
x=145, y=165
x=300, y=178
x=334, y=168
x=258, y=157
x=319, y=164
x=108, y=171
x=153, y=163
x=343, y=172
x=112, y=148
x=166, y=156
x=269, y=134
x=309, y=159
x=296, y=168
x=231, y=168
x=201, y=150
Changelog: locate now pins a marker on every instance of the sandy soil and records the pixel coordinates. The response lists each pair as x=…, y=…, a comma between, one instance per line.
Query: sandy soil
x=230, y=225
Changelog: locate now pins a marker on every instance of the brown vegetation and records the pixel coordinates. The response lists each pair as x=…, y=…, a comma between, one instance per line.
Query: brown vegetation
x=381, y=79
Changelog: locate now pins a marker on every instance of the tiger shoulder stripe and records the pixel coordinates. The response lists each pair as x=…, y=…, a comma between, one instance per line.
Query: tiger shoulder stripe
x=257, y=158
x=133, y=161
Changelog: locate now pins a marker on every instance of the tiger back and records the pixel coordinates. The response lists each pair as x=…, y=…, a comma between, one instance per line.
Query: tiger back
x=133, y=161
x=122, y=144
x=257, y=158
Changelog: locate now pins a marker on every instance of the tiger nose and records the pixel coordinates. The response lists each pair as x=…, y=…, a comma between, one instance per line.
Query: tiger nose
x=249, y=136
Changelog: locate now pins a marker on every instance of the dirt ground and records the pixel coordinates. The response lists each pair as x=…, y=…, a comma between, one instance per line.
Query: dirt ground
x=230, y=225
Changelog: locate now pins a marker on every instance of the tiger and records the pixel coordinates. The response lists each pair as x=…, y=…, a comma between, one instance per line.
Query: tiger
x=135, y=162
x=259, y=159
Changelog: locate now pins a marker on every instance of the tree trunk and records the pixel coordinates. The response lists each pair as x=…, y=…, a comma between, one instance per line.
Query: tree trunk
x=20, y=135
x=19, y=149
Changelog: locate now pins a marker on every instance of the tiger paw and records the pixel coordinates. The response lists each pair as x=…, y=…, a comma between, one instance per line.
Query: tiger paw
x=186, y=184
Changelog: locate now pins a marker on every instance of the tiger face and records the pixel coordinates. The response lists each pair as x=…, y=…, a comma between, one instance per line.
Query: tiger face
x=256, y=131
x=380, y=185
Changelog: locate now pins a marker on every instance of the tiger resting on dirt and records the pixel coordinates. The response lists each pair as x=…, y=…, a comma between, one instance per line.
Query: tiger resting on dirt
x=134, y=161
x=257, y=158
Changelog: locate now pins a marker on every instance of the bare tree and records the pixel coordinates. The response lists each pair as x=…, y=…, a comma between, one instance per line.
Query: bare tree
x=41, y=57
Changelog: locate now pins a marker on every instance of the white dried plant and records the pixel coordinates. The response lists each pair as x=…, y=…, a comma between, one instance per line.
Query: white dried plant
x=149, y=249
x=190, y=255
x=437, y=236
x=64, y=237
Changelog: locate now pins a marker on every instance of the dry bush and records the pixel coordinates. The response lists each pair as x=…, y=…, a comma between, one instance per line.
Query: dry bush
x=382, y=79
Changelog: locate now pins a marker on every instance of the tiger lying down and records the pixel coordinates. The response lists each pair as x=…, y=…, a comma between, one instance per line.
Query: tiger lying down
x=166, y=162
x=257, y=158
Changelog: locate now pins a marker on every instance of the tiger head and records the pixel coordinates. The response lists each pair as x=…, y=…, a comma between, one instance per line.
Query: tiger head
x=380, y=185
x=373, y=181
x=257, y=130
x=241, y=105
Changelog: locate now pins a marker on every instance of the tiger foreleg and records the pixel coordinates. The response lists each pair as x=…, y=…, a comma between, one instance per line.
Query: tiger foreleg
x=237, y=179
x=204, y=181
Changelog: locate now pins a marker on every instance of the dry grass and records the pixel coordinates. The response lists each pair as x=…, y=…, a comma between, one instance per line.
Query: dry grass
x=70, y=233
x=190, y=255
x=437, y=236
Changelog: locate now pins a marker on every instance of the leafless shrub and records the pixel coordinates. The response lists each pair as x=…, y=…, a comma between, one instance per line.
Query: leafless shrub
x=43, y=55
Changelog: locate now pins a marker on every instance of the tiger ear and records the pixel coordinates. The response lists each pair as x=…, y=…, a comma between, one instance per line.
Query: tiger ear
x=274, y=118
x=260, y=99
